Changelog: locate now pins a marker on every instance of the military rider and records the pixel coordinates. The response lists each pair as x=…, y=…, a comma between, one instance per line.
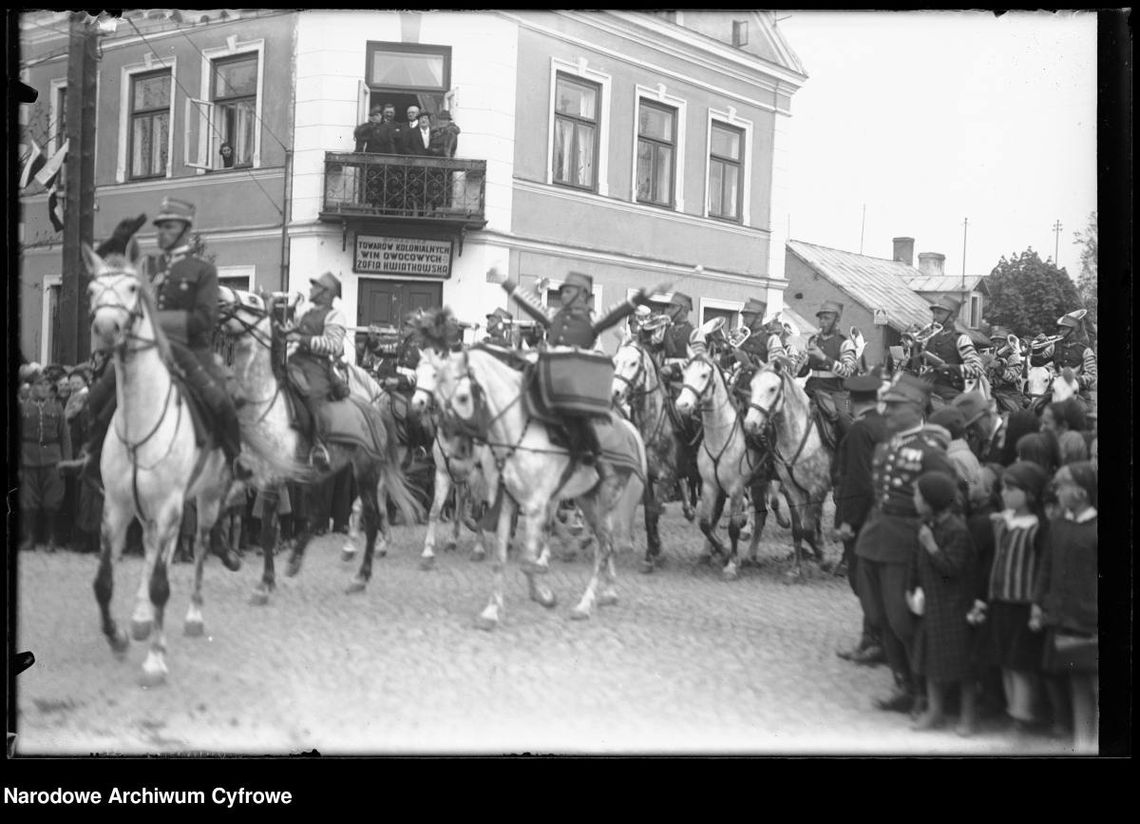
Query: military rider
x=831, y=357
x=497, y=333
x=1006, y=367
x=957, y=359
x=186, y=296
x=572, y=325
x=319, y=336
x=681, y=329
x=1073, y=351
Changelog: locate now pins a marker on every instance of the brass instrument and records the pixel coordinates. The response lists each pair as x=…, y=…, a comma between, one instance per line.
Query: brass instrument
x=1045, y=343
x=738, y=336
x=926, y=333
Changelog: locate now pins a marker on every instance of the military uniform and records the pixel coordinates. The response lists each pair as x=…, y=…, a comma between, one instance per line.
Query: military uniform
x=45, y=440
x=1072, y=354
x=960, y=360
x=887, y=543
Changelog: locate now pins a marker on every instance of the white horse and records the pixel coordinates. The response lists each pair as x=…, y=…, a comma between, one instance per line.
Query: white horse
x=1043, y=381
x=481, y=396
x=780, y=413
x=151, y=463
x=728, y=465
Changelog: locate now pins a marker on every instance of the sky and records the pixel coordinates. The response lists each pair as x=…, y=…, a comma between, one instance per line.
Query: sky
x=930, y=118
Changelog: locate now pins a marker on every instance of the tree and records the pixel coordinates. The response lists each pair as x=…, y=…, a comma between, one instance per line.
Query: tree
x=1086, y=283
x=1027, y=294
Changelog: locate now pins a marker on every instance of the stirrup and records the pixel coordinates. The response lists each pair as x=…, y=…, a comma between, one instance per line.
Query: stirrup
x=319, y=456
x=241, y=471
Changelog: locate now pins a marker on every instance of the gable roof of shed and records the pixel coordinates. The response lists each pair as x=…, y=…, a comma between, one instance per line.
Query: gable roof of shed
x=873, y=283
x=920, y=282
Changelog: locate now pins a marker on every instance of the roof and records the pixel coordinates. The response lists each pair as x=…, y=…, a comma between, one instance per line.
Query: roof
x=920, y=282
x=873, y=283
x=800, y=324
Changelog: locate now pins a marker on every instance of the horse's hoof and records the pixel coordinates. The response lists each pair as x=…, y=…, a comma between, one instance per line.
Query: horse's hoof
x=427, y=563
x=449, y=546
x=579, y=614
x=690, y=514
x=647, y=567
x=479, y=555
x=795, y=574
x=292, y=568
x=347, y=554
x=120, y=643
x=486, y=624
x=546, y=598
x=607, y=599
x=356, y=587
x=194, y=629
x=535, y=568
x=259, y=598
x=729, y=574
x=140, y=630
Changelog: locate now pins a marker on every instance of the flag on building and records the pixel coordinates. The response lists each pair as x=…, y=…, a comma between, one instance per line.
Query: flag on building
x=55, y=207
x=48, y=175
x=50, y=169
x=32, y=165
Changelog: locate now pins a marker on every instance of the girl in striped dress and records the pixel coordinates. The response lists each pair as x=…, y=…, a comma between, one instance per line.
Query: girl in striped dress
x=1018, y=541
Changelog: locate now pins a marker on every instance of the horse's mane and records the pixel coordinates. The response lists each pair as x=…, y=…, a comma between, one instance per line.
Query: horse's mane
x=120, y=264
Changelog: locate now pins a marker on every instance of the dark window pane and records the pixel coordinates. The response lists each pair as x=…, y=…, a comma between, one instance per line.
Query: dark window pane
x=716, y=187
x=655, y=122
x=575, y=99
x=152, y=92
x=644, y=170
x=235, y=78
x=725, y=142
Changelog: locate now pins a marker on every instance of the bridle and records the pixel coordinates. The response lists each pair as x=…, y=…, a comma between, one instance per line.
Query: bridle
x=231, y=311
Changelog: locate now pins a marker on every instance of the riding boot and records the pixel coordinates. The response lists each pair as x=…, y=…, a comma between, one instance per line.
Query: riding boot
x=222, y=408
x=319, y=454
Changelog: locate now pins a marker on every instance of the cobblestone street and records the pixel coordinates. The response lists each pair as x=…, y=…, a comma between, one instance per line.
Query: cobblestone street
x=684, y=663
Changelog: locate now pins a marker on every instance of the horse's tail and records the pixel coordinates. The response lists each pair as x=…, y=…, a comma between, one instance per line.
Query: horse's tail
x=274, y=465
x=392, y=478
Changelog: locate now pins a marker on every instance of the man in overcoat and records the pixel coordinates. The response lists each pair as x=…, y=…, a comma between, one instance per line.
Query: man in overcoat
x=45, y=440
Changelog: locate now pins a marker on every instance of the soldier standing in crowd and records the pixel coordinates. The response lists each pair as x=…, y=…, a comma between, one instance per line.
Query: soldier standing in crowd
x=497, y=334
x=855, y=495
x=957, y=359
x=45, y=441
x=319, y=337
x=886, y=545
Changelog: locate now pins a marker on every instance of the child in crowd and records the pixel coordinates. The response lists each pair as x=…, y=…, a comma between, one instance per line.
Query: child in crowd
x=991, y=696
x=1073, y=447
x=1065, y=599
x=1019, y=532
x=944, y=569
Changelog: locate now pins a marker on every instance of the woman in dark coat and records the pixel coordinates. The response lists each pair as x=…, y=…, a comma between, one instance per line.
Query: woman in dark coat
x=944, y=568
x=1021, y=422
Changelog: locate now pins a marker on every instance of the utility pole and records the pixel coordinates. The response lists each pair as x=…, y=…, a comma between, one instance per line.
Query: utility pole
x=965, y=297
x=1057, y=242
x=79, y=193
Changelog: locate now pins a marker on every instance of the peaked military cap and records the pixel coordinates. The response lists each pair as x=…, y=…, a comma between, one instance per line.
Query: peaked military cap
x=754, y=307
x=681, y=299
x=1072, y=319
x=948, y=303
x=175, y=209
x=328, y=281
x=501, y=313
x=909, y=389
x=580, y=280
x=830, y=306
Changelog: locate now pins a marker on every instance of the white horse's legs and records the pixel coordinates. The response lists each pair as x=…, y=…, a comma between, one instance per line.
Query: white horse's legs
x=160, y=536
x=442, y=489
x=537, y=590
x=113, y=535
x=736, y=519
x=194, y=625
x=535, y=516
x=491, y=615
x=597, y=508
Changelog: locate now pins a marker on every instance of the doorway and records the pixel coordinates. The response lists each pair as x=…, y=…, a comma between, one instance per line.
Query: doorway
x=387, y=302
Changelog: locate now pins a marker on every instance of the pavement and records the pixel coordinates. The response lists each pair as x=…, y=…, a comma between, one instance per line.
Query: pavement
x=685, y=663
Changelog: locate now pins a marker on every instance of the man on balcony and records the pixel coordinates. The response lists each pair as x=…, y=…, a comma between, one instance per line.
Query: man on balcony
x=427, y=186
x=374, y=138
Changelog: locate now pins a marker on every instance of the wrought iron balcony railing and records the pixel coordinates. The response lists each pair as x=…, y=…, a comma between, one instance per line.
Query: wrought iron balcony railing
x=402, y=186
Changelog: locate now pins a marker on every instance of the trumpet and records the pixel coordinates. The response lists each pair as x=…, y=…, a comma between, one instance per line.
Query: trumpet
x=926, y=333
x=1038, y=345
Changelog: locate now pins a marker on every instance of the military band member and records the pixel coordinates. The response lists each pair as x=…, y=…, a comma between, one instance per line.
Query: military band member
x=681, y=329
x=186, y=297
x=319, y=337
x=1006, y=367
x=752, y=317
x=958, y=360
x=886, y=545
x=1073, y=352
x=497, y=332
x=831, y=356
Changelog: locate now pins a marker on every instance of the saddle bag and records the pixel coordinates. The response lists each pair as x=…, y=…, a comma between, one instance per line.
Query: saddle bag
x=575, y=383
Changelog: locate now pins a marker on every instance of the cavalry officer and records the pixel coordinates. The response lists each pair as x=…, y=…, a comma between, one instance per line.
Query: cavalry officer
x=572, y=325
x=45, y=440
x=1072, y=351
x=960, y=360
x=855, y=494
x=886, y=545
x=497, y=334
x=319, y=336
x=186, y=297
x=831, y=356
x=680, y=331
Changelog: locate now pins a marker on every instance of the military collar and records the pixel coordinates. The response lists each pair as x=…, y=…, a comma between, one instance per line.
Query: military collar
x=177, y=252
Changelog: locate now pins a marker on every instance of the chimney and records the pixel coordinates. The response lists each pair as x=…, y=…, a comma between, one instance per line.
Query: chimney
x=932, y=263
x=904, y=250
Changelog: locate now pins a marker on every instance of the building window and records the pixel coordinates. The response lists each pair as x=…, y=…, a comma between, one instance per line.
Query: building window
x=576, y=132
x=235, y=109
x=408, y=74
x=656, y=153
x=150, y=124
x=725, y=172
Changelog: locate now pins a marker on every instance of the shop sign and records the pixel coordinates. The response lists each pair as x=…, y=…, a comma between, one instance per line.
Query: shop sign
x=411, y=256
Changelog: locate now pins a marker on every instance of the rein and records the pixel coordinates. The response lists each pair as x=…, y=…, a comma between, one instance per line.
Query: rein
x=704, y=405
x=230, y=312
x=637, y=396
x=770, y=424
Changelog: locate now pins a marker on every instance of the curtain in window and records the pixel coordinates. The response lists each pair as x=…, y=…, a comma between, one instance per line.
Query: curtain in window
x=239, y=129
x=148, y=145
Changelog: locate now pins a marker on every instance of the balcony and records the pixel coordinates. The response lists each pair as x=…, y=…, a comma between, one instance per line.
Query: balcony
x=439, y=191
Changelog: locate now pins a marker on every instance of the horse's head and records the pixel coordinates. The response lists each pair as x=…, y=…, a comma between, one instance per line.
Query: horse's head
x=115, y=295
x=426, y=370
x=456, y=392
x=629, y=371
x=766, y=397
x=696, y=383
x=1038, y=379
x=239, y=312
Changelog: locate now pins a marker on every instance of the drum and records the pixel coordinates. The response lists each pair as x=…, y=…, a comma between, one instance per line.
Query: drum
x=575, y=383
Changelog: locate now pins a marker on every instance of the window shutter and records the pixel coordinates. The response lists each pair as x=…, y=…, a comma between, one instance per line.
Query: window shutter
x=199, y=122
x=449, y=101
x=361, y=102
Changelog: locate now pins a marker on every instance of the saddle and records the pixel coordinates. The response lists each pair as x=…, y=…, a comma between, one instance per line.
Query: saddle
x=348, y=421
x=833, y=422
